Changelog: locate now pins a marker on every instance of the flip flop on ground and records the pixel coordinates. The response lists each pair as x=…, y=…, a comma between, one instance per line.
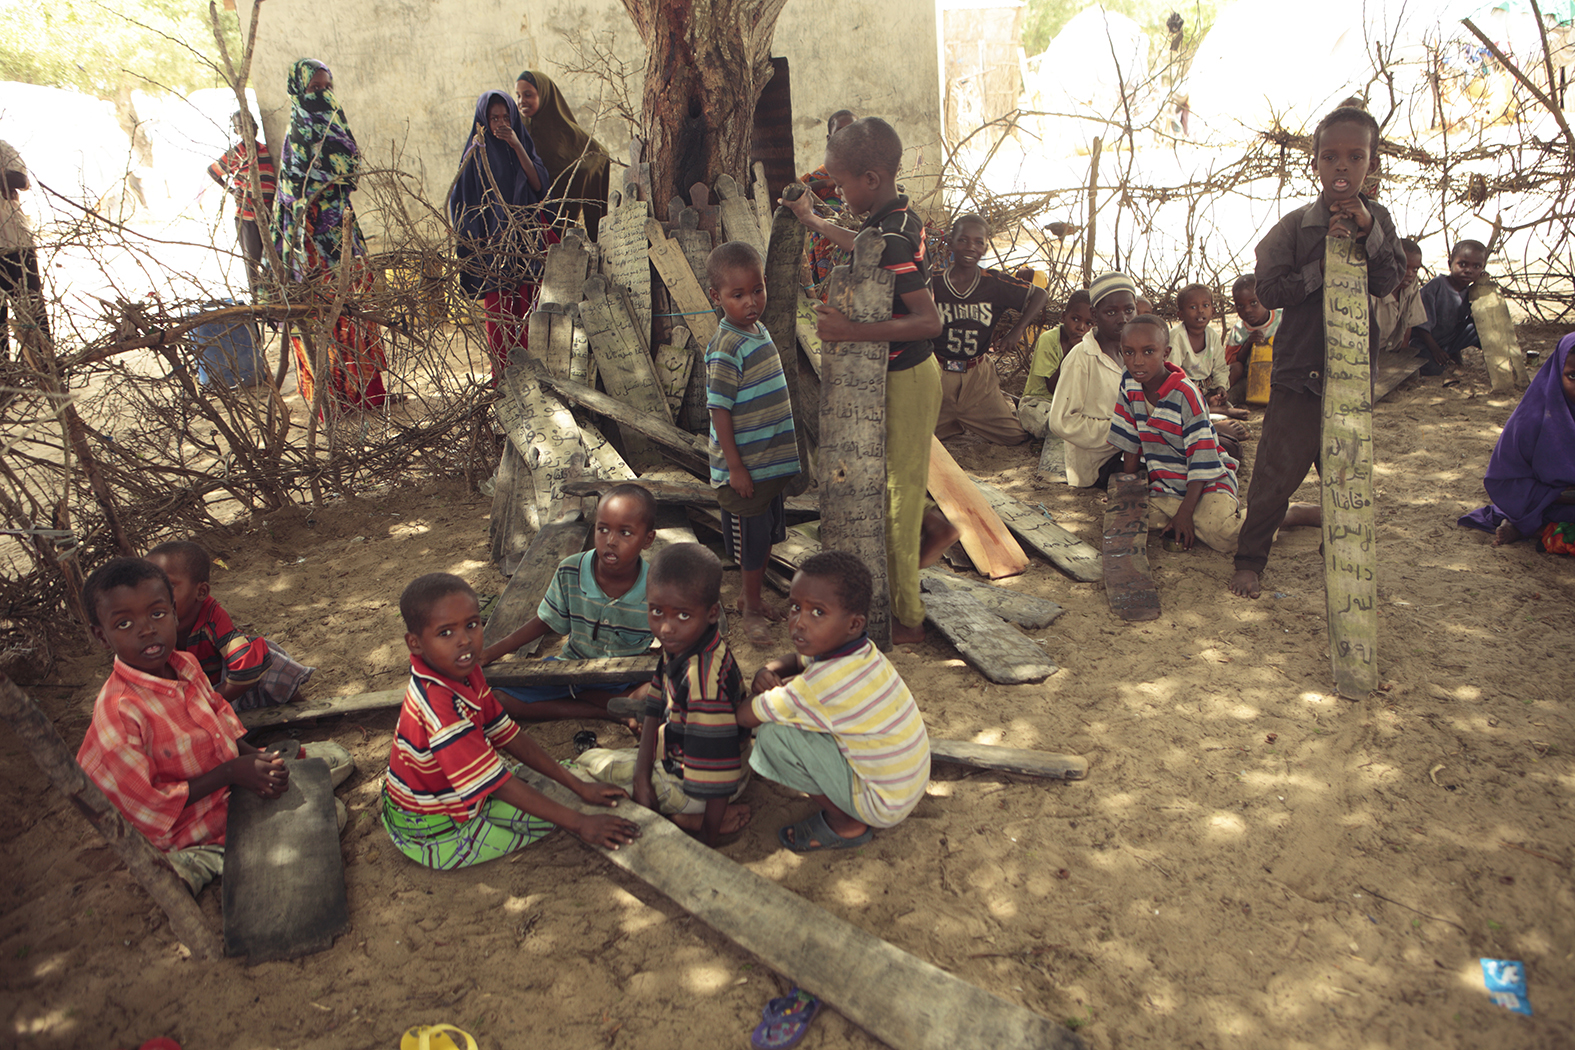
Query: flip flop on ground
x=784, y=1021
x=813, y=834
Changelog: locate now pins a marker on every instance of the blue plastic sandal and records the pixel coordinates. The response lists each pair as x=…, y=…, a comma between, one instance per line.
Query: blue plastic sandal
x=785, y=1020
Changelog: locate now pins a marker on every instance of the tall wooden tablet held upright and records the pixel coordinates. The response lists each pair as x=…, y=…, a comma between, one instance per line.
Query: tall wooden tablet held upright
x=1350, y=557
x=853, y=427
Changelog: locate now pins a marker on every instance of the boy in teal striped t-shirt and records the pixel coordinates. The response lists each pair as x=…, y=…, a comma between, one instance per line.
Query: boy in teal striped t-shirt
x=754, y=451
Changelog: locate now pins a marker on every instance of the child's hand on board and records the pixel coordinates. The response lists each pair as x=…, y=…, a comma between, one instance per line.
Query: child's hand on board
x=802, y=206
x=1350, y=218
x=600, y=794
x=609, y=832
x=263, y=773
x=832, y=323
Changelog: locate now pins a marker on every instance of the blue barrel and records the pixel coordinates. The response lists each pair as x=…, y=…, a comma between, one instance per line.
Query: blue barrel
x=228, y=353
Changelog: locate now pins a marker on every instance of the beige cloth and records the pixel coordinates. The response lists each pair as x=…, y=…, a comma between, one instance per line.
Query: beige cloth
x=616, y=766
x=1209, y=369
x=1085, y=399
x=1395, y=314
x=972, y=402
x=14, y=231
x=1033, y=415
x=1216, y=519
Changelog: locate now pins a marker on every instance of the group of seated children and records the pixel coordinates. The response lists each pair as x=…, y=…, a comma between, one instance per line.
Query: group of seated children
x=834, y=719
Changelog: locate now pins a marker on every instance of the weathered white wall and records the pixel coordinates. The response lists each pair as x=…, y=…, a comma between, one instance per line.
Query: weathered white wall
x=408, y=71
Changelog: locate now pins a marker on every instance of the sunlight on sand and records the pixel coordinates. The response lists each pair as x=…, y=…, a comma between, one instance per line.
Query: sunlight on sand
x=707, y=979
x=54, y=1023
x=1223, y=823
x=407, y=529
x=1313, y=698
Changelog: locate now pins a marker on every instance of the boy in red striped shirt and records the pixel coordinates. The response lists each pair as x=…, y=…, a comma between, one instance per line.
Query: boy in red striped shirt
x=450, y=800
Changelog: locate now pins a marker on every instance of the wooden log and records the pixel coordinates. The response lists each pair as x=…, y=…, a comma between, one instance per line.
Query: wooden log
x=1128, y=585
x=688, y=294
x=1039, y=531
x=1350, y=553
x=737, y=215
x=625, y=250
x=147, y=865
x=564, y=272
x=695, y=242
x=545, y=433
x=784, y=260
x=284, y=876
x=1009, y=759
x=682, y=447
x=853, y=427
x=1506, y=362
x=627, y=372
x=984, y=535
x=995, y=648
x=903, y=1001
x=675, y=361
x=515, y=674
x=557, y=540
x=1025, y=610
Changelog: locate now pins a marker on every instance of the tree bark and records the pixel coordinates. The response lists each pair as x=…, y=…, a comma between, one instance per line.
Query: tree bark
x=706, y=63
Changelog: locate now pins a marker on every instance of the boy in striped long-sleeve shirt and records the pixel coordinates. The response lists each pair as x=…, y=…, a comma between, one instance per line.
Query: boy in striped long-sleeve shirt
x=845, y=730
x=1161, y=420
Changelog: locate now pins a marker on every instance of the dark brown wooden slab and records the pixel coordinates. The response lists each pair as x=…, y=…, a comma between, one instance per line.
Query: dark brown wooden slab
x=990, y=645
x=852, y=457
x=1128, y=585
x=528, y=585
x=514, y=674
x=1025, y=610
x=784, y=261
x=284, y=879
x=1040, y=533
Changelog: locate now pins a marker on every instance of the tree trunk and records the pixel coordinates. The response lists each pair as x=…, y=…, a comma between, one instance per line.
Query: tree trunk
x=707, y=61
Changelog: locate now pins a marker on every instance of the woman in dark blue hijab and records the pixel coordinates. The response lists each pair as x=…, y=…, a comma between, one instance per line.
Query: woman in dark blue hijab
x=498, y=237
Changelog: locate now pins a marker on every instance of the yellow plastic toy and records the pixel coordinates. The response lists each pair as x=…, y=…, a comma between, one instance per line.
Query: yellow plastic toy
x=435, y=1037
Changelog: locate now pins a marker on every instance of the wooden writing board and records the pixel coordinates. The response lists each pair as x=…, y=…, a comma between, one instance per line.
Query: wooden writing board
x=1039, y=531
x=568, y=263
x=624, y=249
x=544, y=432
x=808, y=335
x=688, y=295
x=997, y=649
x=737, y=214
x=784, y=259
x=1052, y=460
x=1025, y=610
x=695, y=242
x=552, y=337
x=1350, y=556
x=284, y=879
x=1010, y=759
x=1128, y=585
x=991, y=548
x=673, y=491
x=1506, y=362
x=901, y=1000
x=612, y=670
x=528, y=586
x=602, y=459
x=514, y=513
x=853, y=427
x=626, y=370
x=682, y=447
x=675, y=360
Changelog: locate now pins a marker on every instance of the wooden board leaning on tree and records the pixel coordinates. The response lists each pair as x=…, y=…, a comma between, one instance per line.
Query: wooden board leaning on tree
x=1506, y=362
x=991, y=548
x=903, y=1001
x=853, y=427
x=624, y=250
x=1350, y=556
x=1128, y=585
x=506, y=673
x=626, y=369
x=1040, y=532
x=689, y=296
x=740, y=221
x=784, y=261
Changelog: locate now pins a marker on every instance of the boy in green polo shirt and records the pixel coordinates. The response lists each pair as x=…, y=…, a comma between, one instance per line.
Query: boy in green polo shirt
x=863, y=159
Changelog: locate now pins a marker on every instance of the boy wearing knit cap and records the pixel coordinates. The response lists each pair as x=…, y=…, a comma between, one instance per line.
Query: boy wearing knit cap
x=1085, y=396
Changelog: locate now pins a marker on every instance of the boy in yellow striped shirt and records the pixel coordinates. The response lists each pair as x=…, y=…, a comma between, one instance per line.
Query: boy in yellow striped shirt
x=835, y=719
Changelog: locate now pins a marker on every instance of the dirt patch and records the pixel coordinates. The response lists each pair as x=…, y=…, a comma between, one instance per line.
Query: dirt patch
x=1251, y=861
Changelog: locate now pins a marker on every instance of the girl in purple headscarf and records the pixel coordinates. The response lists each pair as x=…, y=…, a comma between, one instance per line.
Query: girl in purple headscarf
x=1531, y=477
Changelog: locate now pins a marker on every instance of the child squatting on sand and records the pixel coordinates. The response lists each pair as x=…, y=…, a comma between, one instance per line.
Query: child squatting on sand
x=163, y=746
x=845, y=730
x=450, y=800
x=690, y=762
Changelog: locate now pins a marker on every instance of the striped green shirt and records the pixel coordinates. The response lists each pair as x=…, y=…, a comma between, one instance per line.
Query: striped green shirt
x=743, y=375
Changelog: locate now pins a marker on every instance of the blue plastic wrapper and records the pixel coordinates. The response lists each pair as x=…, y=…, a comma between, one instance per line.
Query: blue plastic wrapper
x=1506, y=984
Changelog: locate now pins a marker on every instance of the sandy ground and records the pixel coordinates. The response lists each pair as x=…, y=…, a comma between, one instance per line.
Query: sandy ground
x=1251, y=861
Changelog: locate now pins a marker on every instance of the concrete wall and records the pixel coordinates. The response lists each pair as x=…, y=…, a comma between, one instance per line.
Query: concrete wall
x=408, y=71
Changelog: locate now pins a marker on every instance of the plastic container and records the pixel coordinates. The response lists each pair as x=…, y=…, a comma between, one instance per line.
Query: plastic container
x=1260, y=368
x=228, y=353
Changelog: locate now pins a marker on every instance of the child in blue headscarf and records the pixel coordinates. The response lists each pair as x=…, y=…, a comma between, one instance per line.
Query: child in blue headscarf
x=497, y=236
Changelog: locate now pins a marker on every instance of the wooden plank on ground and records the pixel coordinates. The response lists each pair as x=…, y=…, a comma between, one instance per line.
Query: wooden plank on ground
x=995, y=648
x=1010, y=759
x=688, y=295
x=903, y=1001
x=1025, y=610
x=681, y=446
x=1040, y=532
x=1506, y=362
x=1128, y=585
x=784, y=260
x=1052, y=460
x=984, y=536
x=853, y=427
x=284, y=879
x=320, y=707
x=1350, y=555
x=624, y=250
x=675, y=360
x=1390, y=370
x=737, y=214
x=518, y=674
x=557, y=540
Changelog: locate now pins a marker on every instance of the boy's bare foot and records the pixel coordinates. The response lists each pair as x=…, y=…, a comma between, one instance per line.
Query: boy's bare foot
x=734, y=819
x=1235, y=413
x=936, y=537
x=1506, y=533
x=757, y=627
x=1245, y=584
x=903, y=635
x=1302, y=514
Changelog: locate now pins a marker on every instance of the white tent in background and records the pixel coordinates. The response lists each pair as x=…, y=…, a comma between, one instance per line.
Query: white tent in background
x=71, y=143
x=1096, y=57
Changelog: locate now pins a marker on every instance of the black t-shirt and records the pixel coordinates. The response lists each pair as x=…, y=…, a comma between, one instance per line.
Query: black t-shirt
x=968, y=324
x=904, y=255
